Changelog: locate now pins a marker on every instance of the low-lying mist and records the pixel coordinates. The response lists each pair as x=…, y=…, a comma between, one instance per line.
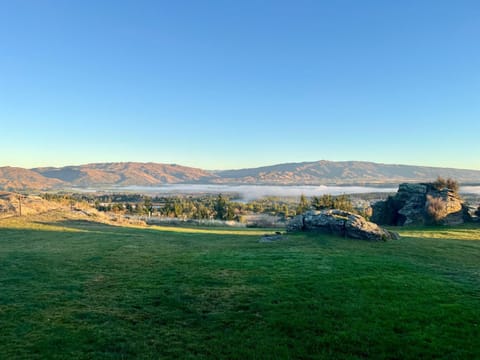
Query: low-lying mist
x=252, y=192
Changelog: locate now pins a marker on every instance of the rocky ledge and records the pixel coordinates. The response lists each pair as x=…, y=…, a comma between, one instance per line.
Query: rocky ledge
x=341, y=223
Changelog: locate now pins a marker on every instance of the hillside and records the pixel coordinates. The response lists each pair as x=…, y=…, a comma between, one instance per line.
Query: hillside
x=342, y=172
x=16, y=178
x=12, y=204
x=124, y=174
x=155, y=174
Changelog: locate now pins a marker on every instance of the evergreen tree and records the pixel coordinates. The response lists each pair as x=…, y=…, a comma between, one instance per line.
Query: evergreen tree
x=147, y=207
x=230, y=215
x=303, y=205
x=322, y=202
x=221, y=208
x=343, y=202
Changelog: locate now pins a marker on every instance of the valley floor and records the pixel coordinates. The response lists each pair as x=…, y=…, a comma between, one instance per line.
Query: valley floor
x=73, y=288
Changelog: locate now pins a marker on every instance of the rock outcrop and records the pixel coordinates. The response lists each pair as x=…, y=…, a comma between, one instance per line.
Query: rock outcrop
x=341, y=223
x=420, y=204
x=474, y=213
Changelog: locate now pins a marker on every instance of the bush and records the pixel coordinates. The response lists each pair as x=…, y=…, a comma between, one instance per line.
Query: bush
x=452, y=185
x=435, y=208
x=449, y=183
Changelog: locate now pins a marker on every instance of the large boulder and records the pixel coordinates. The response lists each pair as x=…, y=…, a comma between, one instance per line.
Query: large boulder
x=341, y=223
x=420, y=204
x=474, y=213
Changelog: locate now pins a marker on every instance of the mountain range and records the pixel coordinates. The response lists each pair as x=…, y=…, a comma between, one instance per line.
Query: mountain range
x=153, y=174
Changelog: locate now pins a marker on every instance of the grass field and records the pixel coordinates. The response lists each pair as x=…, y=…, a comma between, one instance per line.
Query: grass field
x=76, y=289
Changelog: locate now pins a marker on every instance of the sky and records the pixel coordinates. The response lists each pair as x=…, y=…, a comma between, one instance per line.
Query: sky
x=233, y=84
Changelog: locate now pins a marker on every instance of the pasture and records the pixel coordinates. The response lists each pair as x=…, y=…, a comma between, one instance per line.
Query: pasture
x=72, y=288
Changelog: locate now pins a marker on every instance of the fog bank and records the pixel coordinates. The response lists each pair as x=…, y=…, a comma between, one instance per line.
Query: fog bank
x=252, y=192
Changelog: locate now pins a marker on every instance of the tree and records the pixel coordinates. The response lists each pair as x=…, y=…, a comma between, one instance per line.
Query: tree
x=322, y=202
x=168, y=208
x=146, y=207
x=303, y=205
x=343, y=202
x=284, y=211
x=117, y=208
x=230, y=215
x=129, y=208
x=340, y=202
x=221, y=208
x=202, y=212
x=177, y=209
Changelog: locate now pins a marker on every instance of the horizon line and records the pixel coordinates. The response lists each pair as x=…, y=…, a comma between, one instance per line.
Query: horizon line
x=240, y=168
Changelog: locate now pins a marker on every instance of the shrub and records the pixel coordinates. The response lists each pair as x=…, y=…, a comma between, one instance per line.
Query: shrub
x=452, y=185
x=366, y=212
x=435, y=208
x=440, y=183
x=449, y=183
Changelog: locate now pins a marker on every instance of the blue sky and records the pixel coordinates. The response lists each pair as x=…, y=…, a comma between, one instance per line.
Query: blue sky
x=230, y=84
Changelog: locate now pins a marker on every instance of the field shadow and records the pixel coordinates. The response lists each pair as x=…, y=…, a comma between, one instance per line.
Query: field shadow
x=81, y=225
x=100, y=227
x=213, y=231
x=457, y=233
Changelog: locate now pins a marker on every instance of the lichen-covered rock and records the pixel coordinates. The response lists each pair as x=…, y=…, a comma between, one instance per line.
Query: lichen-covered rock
x=341, y=223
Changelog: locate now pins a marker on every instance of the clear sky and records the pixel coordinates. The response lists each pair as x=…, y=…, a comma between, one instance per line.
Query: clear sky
x=230, y=84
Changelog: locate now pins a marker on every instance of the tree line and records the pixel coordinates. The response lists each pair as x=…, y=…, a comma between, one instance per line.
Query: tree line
x=220, y=207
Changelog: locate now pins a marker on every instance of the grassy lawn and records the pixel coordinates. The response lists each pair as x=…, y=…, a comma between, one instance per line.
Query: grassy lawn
x=74, y=289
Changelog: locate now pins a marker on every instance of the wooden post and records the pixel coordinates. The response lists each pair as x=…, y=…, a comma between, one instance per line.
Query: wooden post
x=20, y=205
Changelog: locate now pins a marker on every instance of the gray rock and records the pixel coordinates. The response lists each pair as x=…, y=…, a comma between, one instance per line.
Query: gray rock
x=413, y=188
x=409, y=206
x=473, y=213
x=341, y=223
x=295, y=224
x=271, y=238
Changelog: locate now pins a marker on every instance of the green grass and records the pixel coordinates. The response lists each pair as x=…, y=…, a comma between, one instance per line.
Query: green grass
x=74, y=289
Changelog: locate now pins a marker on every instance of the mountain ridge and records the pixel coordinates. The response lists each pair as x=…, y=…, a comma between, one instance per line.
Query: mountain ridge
x=345, y=172
x=322, y=172
x=15, y=178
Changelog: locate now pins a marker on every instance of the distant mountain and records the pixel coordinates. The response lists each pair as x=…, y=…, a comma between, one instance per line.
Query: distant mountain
x=342, y=172
x=124, y=174
x=154, y=174
x=15, y=178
